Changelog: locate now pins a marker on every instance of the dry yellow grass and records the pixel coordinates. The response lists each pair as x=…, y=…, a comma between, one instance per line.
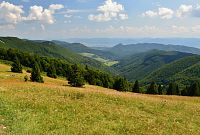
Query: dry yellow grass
x=54, y=108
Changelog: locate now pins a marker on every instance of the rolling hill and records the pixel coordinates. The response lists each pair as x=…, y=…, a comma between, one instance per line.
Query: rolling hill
x=55, y=108
x=80, y=48
x=48, y=48
x=126, y=50
x=184, y=71
x=138, y=66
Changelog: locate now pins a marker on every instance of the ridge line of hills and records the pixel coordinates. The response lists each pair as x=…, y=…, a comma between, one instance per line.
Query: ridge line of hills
x=145, y=62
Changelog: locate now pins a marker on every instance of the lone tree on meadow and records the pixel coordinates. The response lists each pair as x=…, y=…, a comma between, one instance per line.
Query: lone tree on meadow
x=16, y=66
x=35, y=74
x=136, y=87
x=76, y=78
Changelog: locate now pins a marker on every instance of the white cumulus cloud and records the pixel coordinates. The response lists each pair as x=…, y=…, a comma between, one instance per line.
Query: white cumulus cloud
x=163, y=13
x=38, y=13
x=150, y=13
x=13, y=14
x=184, y=10
x=108, y=11
x=10, y=13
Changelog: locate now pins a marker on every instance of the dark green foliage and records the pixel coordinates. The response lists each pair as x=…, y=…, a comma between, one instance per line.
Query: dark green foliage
x=35, y=74
x=51, y=71
x=194, y=89
x=141, y=65
x=184, y=92
x=121, y=84
x=152, y=89
x=95, y=77
x=16, y=66
x=136, y=87
x=173, y=89
x=160, y=89
x=76, y=79
x=185, y=70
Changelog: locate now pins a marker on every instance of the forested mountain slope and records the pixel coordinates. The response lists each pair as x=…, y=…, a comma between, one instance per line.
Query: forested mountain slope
x=185, y=71
x=140, y=65
x=48, y=48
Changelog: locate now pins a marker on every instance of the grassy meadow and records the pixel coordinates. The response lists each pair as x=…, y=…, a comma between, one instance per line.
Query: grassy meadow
x=98, y=58
x=54, y=108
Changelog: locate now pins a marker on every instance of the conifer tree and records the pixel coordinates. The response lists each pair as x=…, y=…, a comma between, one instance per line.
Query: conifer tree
x=178, y=92
x=51, y=72
x=35, y=74
x=136, y=87
x=152, y=88
x=121, y=84
x=16, y=66
x=173, y=89
x=184, y=92
x=194, y=89
x=76, y=79
x=160, y=89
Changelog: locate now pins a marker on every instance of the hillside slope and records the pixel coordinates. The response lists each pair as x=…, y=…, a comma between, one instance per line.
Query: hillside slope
x=80, y=48
x=138, y=66
x=126, y=50
x=185, y=71
x=53, y=107
x=47, y=48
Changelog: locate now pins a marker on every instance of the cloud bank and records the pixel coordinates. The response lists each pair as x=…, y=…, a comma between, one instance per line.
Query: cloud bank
x=13, y=14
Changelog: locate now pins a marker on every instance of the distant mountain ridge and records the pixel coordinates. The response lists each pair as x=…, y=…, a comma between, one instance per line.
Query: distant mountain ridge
x=81, y=48
x=126, y=50
x=110, y=42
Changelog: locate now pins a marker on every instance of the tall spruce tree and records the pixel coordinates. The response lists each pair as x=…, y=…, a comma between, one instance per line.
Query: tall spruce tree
x=35, y=74
x=76, y=78
x=152, y=88
x=184, y=92
x=121, y=84
x=16, y=66
x=160, y=89
x=173, y=89
x=136, y=87
x=194, y=89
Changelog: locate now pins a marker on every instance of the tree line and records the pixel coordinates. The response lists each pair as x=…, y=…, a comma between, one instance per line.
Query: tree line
x=170, y=89
x=78, y=75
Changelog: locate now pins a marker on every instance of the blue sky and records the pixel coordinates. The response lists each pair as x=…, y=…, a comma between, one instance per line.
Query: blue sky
x=61, y=19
